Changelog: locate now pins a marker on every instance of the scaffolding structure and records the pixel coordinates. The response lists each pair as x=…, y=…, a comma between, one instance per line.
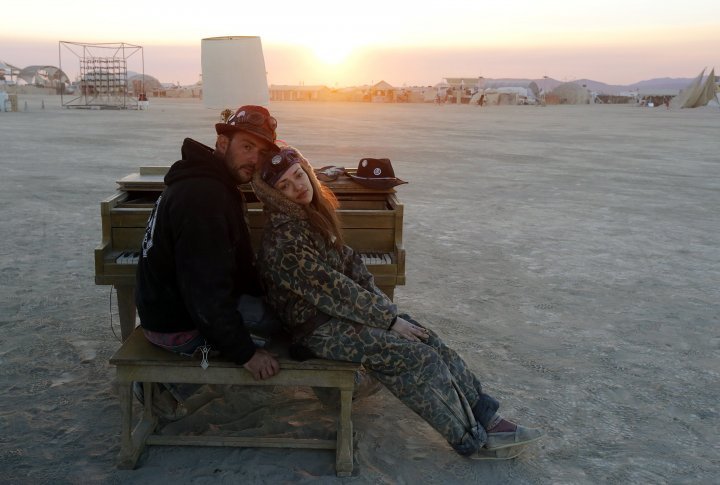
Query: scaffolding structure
x=102, y=75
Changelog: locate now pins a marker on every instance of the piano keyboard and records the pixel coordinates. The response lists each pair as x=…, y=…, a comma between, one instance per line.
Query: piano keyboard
x=132, y=257
x=128, y=257
x=376, y=258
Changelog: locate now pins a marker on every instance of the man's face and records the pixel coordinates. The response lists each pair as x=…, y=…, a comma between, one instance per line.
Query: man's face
x=241, y=154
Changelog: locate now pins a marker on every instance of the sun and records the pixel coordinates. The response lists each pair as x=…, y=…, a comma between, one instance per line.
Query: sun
x=331, y=53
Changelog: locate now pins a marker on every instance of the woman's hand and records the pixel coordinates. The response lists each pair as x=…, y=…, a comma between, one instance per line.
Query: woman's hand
x=409, y=330
x=262, y=365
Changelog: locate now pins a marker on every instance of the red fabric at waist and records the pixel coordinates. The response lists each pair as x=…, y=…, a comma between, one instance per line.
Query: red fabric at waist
x=174, y=339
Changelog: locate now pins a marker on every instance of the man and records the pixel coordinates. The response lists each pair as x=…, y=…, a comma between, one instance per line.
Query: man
x=197, y=261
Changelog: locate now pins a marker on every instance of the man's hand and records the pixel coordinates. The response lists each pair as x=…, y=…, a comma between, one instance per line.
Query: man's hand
x=409, y=330
x=262, y=365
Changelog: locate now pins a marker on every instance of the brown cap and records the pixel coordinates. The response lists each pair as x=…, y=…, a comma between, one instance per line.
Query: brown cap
x=251, y=119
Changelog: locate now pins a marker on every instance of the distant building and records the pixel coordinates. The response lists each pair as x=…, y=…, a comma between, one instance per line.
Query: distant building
x=382, y=92
x=464, y=90
x=461, y=89
x=299, y=93
x=466, y=83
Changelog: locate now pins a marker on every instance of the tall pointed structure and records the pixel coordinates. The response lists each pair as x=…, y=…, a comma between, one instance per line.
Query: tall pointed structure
x=698, y=93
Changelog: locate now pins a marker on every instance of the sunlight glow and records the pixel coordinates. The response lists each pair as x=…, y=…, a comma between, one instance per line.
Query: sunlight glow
x=331, y=53
x=376, y=39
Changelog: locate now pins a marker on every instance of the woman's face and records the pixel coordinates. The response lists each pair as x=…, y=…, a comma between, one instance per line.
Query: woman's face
x=295, y=185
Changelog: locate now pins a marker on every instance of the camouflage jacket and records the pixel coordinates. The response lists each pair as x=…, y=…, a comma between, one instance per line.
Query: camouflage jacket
x=308, y=280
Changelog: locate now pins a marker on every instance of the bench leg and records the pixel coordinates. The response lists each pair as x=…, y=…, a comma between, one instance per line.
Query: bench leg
x=126, y=309
x=148, y=400
x=344, y=449
x=132, y=442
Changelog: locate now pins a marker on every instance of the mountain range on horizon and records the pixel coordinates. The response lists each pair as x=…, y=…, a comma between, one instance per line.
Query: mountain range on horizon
x=662, y=83
x=545, y=83
x=548, y=84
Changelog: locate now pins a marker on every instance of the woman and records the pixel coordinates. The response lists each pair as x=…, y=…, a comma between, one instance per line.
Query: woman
x=329, y=303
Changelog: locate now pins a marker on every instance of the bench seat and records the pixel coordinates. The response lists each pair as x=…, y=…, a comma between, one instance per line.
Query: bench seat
x=139, y=360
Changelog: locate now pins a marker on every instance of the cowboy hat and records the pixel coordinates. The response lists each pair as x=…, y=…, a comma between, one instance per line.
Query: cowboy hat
x=376, y=173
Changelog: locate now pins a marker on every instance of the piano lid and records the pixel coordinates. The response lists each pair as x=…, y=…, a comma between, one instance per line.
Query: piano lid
x=152, y=179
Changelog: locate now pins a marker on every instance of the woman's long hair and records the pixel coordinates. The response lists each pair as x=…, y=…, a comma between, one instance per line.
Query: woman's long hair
x=321, y=210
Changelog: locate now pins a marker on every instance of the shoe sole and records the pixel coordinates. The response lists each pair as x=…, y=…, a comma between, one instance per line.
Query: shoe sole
x=520, y=443
x=506, y=453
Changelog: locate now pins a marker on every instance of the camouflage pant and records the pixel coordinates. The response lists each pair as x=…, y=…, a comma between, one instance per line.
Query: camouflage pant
x=428, y=377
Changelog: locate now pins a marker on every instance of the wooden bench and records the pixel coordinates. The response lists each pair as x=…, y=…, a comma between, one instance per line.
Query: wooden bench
x=139, y=360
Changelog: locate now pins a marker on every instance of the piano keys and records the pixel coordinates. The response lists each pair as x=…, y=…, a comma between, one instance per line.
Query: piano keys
x=128, y=257
x=371, y=219
x=376, y=258
x=132, y=257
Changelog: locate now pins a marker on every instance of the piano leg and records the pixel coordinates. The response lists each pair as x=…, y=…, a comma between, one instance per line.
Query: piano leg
x=126, y=309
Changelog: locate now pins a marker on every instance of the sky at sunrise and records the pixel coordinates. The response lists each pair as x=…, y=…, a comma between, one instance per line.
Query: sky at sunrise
x=339, y=43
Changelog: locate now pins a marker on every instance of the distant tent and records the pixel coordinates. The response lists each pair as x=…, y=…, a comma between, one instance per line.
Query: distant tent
x=531, y=87
x=500, y=96
x=8, y=71
x=698, y=93
x=710, y=87
x=709, y=92
x=140, y=82
x=47, y=76
x=690, y=94
x=7, y=65
x=571, y=93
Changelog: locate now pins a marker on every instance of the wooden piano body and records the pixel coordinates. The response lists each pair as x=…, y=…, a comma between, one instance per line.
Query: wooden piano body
x=372, y=222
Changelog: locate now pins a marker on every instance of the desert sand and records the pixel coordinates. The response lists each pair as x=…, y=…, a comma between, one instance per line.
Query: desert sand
x=571, y=254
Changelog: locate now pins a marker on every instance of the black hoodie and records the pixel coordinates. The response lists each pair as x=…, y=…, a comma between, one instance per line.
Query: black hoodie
x=196, y=258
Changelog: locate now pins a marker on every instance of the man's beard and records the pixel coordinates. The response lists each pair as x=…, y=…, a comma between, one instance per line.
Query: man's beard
x=238, y=176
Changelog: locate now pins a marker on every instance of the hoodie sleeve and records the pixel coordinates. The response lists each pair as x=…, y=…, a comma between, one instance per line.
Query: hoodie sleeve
x=207, y=269
x=295, y=265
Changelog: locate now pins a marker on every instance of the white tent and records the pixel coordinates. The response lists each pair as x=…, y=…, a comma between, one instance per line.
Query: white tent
x=698, y=93
x=140, y=82
x=8, y=72
x=48, y=76
x=571, y=93
x=523, y=87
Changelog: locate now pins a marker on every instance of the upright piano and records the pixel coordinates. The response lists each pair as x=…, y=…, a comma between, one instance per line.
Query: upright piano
x=371, y=219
